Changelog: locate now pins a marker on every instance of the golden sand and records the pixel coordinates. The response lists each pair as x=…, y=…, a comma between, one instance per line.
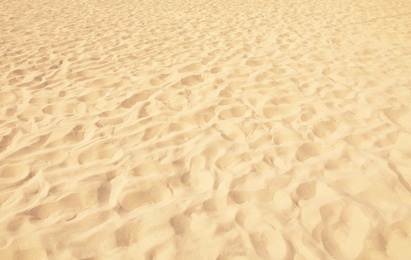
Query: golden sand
x=207, y=129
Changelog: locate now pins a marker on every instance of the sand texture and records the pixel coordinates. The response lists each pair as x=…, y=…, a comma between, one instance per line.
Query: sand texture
x=206, y=129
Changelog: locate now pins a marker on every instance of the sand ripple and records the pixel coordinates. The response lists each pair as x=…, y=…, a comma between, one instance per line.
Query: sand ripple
x=205, y=129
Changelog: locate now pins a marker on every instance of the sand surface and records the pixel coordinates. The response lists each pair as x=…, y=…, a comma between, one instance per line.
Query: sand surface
x=207, y=129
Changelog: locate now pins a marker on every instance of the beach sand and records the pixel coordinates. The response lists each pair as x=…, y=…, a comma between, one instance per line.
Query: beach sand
x=221, y=129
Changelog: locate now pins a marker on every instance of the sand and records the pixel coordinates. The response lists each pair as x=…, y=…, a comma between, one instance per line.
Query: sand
x=207, y=129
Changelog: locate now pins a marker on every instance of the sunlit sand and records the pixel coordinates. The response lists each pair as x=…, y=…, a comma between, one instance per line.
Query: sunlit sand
x=209, y=129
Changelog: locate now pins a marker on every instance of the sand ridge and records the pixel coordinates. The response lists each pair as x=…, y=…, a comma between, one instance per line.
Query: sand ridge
x=205, y=129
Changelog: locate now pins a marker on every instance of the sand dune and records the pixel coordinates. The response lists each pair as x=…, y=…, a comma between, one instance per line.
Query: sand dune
x=202, y=129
